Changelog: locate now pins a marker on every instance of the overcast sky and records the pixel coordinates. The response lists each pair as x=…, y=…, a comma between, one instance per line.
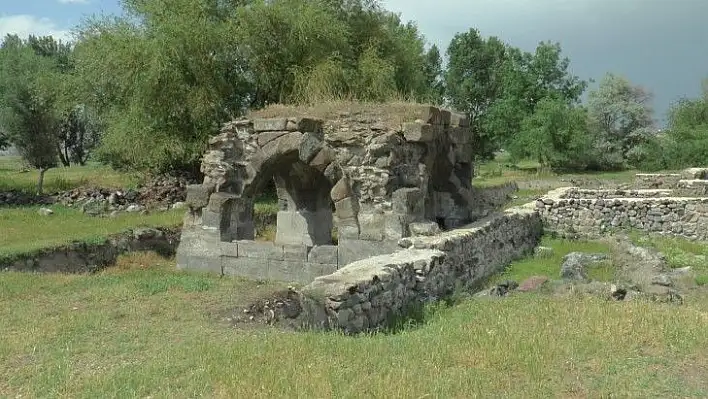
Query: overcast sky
x=660, y=44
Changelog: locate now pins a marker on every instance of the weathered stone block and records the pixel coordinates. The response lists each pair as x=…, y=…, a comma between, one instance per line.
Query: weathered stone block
x=459, y=135
x=424, y=228
x=257, y=249
x=347, y=208
x=323, y=158
x=266, y=137
x=295, y=252
x=395, y=226
x=310, y=145
x=353, y=250
x=371, y=226
x=198, y=195
x=304, y=228
x=430, y=115
x=418, y=132
x=408, y=201
x=309, y=125
x=218, y=202
x=341, y=190
x=228, y=249
x=324, y=254
x=458, y=119
x=445, y=117
x=270, y=124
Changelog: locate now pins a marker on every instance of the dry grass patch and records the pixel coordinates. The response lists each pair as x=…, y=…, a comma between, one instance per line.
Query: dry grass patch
x=388, y=113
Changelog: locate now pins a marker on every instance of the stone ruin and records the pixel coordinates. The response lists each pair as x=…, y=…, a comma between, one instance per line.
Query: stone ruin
x=374, y=181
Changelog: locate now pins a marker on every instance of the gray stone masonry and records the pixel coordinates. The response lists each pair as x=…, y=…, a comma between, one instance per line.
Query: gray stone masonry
x=680, y=216
x=370, y=293
x=370, y=180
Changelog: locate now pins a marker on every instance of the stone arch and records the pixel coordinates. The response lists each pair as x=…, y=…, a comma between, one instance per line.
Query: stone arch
x=304, y=172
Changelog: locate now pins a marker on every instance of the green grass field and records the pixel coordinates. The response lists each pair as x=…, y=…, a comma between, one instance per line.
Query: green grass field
x=24, y=229
x=143, y=329
x=14, y=176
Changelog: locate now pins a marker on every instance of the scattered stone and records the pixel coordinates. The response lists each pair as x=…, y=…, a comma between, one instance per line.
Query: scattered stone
x=662, y=280
x=543, y=252
x=179, y=205
x=618, y=293
x=575, y=264
x=133, y=208
x=532, y=283
x=503, y=288
x=45, y=211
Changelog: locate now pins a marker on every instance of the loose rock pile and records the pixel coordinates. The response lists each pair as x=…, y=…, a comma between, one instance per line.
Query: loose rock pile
x=161, y=193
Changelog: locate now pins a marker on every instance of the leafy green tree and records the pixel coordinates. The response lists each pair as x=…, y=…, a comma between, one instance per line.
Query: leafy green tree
x=556, y=135
x=162, y=77
x=621, y=112
x=28, y=104
x=473, y=82
x=433, y=72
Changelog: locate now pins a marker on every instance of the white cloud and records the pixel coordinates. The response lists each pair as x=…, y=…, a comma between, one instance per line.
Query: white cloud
x=74, y=1
x=25, y=25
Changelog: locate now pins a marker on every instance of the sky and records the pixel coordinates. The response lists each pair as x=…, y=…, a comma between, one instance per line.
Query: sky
x=659, y=44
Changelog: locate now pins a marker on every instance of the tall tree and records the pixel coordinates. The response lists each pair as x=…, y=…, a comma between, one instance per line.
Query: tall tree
x=473, y=82
x=433, y=72
x=28, y=104
x=621, y=111
x=556, y=135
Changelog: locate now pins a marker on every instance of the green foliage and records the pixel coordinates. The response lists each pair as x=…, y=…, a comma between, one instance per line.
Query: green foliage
x=684, y=144
x=178, y=70
x=556, y=135
x=500, y=86
x=28, y=102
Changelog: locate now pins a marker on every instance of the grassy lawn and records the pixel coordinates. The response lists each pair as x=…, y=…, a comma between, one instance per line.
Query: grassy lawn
x=550, y=264
x=14, y=177
x=139, y=331
x=501, y=170
x=24, y=229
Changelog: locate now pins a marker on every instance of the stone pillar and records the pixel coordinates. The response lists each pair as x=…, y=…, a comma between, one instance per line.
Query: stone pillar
x=304, y=227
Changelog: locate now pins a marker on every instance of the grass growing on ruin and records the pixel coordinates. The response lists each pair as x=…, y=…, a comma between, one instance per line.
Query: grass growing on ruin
x=395, y=113
x=142, y=329
x=550, y=264
x=24, y=229
x=15, y=176
x=679, y=253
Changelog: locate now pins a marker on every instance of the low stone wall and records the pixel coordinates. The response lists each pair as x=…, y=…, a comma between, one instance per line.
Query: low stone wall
x=368, y=294
x=581, y=193
x=692, y=188
x=82, y=257
x=492, y=198
x=656, y=180
x=680, y=216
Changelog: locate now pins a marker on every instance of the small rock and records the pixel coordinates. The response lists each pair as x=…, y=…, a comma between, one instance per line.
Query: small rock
x=178, y=205
x=532, y=283
x=114, y=214
x=503, y=288
x=575, y=263
x=543, y=252
x=45, y=211
x=617, y=293
x=134, y=208
x=663, y=280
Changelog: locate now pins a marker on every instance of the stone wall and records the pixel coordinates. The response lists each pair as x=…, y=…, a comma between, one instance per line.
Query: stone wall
x=83, y=257
x=493, y=198
x=680, y=216
x=656, y=180
x=578, y=193
x=369, y=294
x=374, y=180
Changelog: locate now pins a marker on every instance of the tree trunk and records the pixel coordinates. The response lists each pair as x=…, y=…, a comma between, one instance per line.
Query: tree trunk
x=40, y=183
x=63, y=158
